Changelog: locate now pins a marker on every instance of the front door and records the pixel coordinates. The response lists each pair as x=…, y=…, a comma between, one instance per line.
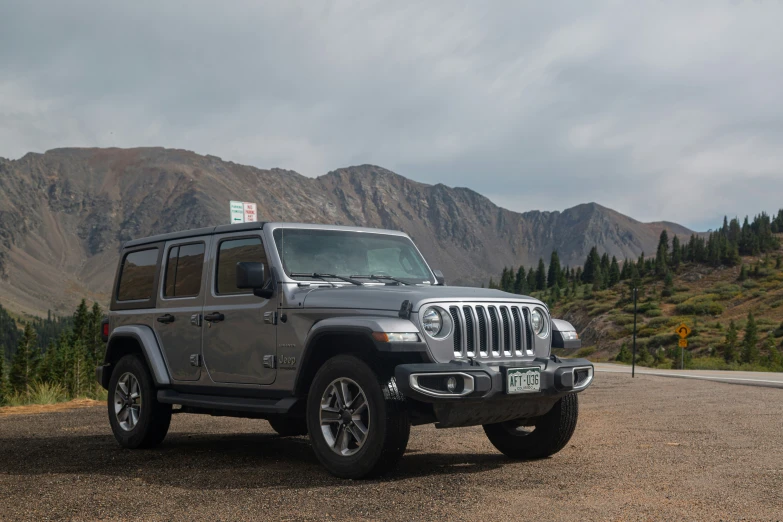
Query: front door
x=180, y=301
x=239, y=328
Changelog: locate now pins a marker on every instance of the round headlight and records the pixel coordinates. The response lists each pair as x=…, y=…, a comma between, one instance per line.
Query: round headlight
x=432, y=321
x=539, y=323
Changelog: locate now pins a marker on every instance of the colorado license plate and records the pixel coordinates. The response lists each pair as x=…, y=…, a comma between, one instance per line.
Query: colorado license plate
x=523, y=380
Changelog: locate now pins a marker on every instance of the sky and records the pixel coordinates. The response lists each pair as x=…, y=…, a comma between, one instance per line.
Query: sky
x=662, y=110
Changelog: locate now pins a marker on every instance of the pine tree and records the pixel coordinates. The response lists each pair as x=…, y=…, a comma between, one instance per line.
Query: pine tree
x=555, y=293
x=520, y=281
x=531, y=280
x=24, y=362
x=507, y=280
x=3, y=387
x=676, y=257
x=614, y=272
x=743, y=275
x=95, y=341
x=81, y=323
x=668, y=284
x=592, y=264
x=541, y=275
x=750, y=350
x=553, y=277
x=662, y=255
x=730, y=345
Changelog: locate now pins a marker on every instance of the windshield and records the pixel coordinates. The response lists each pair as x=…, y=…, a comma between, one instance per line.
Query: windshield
x=350, y=254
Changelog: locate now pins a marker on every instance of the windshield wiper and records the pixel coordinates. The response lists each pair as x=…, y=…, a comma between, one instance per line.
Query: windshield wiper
x=380, y=277
x=322, y=277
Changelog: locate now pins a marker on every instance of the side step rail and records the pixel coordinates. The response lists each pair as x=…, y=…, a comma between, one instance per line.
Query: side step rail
x=236, y=404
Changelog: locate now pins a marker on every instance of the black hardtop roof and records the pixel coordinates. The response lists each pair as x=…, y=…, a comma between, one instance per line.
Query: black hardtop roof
x=196, y=232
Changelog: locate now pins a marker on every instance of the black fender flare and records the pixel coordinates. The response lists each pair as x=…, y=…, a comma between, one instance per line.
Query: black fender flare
x=150, y=349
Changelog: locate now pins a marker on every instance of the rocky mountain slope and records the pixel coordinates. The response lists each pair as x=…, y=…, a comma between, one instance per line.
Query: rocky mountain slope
x=65, y=213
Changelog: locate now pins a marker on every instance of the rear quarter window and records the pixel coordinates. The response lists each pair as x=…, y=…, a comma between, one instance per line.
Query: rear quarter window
x=137, y=275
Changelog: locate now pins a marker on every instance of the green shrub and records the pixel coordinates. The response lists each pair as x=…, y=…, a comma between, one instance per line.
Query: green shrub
x=653, y=312
x=623, y=319
x=702, y=305
x=587, y=351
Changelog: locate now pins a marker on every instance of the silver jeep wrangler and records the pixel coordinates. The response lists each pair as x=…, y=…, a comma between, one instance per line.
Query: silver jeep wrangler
x=342, y=333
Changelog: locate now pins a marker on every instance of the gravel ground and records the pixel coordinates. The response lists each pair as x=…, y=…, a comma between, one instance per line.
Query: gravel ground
x=652, y=448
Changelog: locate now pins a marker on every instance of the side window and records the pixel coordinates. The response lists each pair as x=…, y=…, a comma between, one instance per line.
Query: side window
x=183, y=270
x=231, y=252
x=137, y=275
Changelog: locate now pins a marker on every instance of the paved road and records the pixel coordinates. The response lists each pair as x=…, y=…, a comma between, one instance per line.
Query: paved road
x=766, y=379
x=645, y=449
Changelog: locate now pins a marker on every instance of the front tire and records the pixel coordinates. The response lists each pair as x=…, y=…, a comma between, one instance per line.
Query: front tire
x=358, y=424
x=137, y=419
x=536, y=438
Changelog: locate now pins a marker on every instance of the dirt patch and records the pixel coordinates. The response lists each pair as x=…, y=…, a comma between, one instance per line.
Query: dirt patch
x=32, y=409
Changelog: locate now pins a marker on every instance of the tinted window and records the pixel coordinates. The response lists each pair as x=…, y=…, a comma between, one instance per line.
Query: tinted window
x=230, y=253
x=137, y=276
x=183, y=271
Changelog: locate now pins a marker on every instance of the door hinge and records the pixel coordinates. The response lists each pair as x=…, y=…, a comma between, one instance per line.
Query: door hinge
x=195, y=319
x=195, y=360
x=269, y=361
x=270, y=317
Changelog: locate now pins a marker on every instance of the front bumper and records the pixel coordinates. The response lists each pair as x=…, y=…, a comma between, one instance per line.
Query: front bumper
x=558, y=377
x=485, y=400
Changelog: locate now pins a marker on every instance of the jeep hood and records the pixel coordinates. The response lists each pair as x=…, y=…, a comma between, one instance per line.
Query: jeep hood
x=391, y=297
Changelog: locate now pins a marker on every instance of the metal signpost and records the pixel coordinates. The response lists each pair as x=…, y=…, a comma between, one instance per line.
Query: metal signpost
x=633, y=359
x=243, y=212
x=683, y=331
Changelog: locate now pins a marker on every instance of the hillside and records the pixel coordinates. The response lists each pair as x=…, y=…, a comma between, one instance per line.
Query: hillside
x=65, y=213
x=706, y=298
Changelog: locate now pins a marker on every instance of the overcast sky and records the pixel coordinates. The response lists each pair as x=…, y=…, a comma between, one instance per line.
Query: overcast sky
x=668, y=110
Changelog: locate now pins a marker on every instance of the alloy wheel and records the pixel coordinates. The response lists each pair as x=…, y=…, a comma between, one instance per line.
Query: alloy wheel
x=345, y=416
x=127, y=401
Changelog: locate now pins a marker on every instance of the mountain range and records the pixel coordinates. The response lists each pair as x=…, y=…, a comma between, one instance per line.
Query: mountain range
x=64, y=215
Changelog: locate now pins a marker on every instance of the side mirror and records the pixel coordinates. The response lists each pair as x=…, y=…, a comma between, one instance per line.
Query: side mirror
x=251, y=275
x=439, y=277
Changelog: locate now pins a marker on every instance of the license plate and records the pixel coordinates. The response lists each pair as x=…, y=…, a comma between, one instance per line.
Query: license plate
x=523, y=380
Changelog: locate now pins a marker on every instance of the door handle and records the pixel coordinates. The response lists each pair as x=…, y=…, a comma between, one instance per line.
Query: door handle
x=165, y=319
x=214, y=317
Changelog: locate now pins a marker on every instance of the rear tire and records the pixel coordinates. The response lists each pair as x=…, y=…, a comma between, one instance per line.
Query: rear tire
x=137, y=419
x=549, y=434
x=358, y=424
x=289, y=426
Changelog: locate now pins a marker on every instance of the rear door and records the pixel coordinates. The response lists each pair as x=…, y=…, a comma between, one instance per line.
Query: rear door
x=177, y=323
x=240, y=336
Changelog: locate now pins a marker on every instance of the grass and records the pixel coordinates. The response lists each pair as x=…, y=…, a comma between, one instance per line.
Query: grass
x=48, y=393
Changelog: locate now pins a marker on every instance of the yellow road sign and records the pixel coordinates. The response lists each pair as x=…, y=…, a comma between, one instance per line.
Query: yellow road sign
x=683, y=343
x=683, y=331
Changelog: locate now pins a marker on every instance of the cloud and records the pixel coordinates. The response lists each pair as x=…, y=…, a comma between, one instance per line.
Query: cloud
x=665, y=110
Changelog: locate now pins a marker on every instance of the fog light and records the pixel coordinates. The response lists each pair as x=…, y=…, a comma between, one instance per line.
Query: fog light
x=451, y=384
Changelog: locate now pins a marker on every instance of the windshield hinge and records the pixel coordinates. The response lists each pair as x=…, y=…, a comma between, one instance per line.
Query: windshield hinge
x=405, y=309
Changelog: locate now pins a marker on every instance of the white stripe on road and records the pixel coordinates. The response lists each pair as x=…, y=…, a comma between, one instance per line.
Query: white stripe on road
x=691, y=376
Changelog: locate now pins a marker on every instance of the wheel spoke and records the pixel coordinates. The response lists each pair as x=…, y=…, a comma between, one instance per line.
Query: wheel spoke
x=123, y=385
x=360, y=426
x=134, y=416
x=344, y=440
x=358, y=404
x=346, y=393
x=357, y=434
x=122, y=416
x=338, y=393
x=329, y=417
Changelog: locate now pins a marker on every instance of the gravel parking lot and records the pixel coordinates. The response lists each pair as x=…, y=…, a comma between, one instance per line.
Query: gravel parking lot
x=651, y=448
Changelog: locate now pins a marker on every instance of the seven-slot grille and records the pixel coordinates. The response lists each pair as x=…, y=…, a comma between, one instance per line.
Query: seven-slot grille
x=491, y=330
